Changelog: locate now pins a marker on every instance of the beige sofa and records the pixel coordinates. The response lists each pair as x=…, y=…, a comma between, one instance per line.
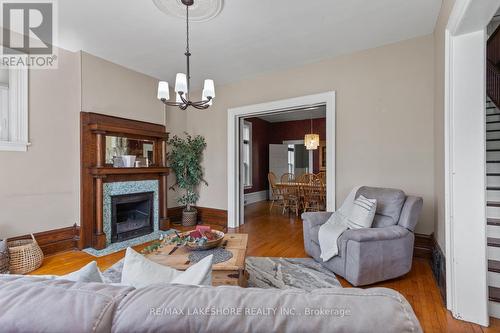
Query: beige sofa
x=38, y=305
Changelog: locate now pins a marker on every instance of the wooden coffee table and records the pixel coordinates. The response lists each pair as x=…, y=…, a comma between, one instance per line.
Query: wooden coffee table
x=231, y=272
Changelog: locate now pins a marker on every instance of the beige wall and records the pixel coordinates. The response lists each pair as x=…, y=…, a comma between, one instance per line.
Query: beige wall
x=39, y=189
x=114, y=90
x=385, y=127
x=385, y=119
x=439, y=57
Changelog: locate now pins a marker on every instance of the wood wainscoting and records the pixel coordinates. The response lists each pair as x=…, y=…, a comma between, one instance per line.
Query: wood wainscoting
x=424, y=246
x=206, y=215
x=57, y=240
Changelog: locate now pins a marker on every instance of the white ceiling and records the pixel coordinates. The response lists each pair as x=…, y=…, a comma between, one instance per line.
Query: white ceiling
x=247, y=38
x=310, y=113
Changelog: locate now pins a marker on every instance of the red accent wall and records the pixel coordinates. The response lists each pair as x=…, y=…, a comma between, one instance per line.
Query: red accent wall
x=296, y=130
x=265, y=133
x=260, y=154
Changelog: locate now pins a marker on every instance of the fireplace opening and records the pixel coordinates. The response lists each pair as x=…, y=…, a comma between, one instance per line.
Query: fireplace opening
x=131, y=216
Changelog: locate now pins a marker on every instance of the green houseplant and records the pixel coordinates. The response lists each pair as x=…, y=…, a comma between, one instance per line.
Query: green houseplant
x=184, y=159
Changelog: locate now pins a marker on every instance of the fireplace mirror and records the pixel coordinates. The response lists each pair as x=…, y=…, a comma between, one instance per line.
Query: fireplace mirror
x=117, y=146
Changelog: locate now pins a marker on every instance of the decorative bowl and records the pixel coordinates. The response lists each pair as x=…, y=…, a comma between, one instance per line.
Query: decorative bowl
x=207, y=245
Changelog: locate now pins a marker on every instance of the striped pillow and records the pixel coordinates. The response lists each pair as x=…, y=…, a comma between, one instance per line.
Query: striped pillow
x=362, y=213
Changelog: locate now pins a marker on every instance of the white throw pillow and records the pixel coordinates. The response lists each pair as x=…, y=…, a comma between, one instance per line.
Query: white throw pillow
x=199, y=274
x=362, y=213
x=139, y=272
x=88, y=273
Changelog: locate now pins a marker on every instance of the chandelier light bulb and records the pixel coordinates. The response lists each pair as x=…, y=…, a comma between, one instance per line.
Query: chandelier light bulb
x=163, y=91
x=181, y=83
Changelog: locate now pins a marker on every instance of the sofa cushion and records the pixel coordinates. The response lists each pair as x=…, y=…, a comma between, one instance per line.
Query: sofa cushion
x=233, y=309
x=33, y=304
x=389, y=204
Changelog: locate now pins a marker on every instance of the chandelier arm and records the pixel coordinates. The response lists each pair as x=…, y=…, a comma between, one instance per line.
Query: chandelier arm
x=203, y=102
x=166, y=102
x=199, y=103
x=201, y=107
x=183, y=99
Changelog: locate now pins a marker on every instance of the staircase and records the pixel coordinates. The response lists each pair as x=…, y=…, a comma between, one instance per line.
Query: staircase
x=493, y=204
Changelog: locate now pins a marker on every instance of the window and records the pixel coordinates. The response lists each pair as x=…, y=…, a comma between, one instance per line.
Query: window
x=246, y=153
x=291, y=159
x=14, y=109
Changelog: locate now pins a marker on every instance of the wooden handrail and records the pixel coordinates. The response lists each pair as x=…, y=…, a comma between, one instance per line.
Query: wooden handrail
x=493, y=35
x=493, y=82
x=493, y=47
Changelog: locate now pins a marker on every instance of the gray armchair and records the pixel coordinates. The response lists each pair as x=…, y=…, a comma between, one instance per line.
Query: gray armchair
x=374, y=254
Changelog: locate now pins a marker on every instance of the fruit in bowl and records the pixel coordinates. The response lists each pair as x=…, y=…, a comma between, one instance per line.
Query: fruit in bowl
x=203, y=238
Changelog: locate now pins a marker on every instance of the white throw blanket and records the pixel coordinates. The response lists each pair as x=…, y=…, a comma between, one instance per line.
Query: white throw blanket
x=330, y=231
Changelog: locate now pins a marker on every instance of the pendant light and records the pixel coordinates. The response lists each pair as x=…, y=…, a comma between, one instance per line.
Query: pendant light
x=311, y=140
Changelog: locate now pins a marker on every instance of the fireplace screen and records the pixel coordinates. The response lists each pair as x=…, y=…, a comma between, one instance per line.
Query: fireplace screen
x=132, y=216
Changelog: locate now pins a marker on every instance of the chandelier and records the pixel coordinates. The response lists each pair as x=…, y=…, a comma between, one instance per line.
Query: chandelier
x=182, y=81
x=311, y=141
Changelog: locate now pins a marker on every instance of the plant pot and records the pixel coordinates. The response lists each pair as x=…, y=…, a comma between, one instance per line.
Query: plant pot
x=189, y=218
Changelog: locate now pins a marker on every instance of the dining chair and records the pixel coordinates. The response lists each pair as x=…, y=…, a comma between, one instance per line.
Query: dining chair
x=307, y=178
x=287, y=178
x=322, y=176
x=301, y=178
x=291, y=199
x=276, y=194
x=313, y=195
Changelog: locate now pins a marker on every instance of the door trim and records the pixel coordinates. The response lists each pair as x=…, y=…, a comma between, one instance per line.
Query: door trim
x=464, y=169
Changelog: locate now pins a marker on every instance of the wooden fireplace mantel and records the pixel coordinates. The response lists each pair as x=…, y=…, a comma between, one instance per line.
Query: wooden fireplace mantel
x=95, y=172
x=109, y=171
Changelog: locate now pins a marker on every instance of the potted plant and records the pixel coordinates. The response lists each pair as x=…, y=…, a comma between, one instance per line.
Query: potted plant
x=185, y=160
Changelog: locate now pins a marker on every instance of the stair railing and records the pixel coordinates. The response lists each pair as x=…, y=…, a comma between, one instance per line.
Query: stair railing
x=492, y=67
x=493, y=82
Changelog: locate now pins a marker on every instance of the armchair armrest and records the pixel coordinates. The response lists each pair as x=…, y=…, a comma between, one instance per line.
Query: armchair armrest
x=313, y=219
x=411, y=212
x=375, y=234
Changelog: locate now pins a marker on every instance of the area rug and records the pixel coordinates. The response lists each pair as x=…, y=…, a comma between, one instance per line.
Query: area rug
x=115, y=247
x=266, y=272
x=286, y=273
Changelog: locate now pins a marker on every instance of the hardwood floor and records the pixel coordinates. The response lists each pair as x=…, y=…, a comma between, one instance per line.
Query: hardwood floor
x=275, y=235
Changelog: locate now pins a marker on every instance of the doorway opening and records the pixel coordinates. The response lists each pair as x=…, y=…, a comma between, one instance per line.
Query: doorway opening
x=269, y=139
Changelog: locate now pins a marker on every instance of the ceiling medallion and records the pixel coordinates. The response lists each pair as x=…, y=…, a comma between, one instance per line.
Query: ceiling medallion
x=183, y=81
x=200, y=11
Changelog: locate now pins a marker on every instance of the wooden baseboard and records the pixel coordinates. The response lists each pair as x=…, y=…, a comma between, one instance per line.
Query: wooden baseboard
x=438, y=265
x=205, y=215
x=424, y=246
x=57, y=240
